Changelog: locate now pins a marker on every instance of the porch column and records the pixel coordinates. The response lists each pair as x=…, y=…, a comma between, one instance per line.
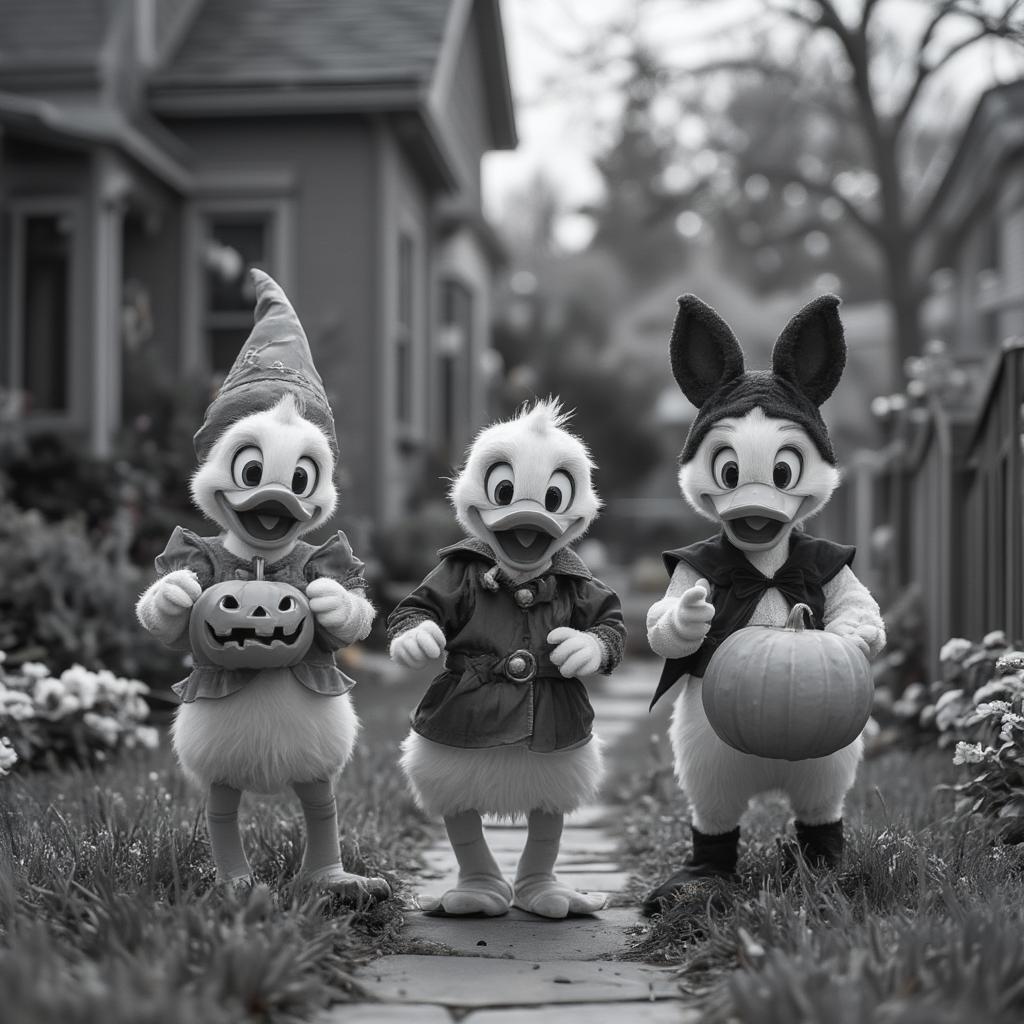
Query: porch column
x=111, y=185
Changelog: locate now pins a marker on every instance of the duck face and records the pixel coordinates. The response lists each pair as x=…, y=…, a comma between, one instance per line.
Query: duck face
x=268, y=479
x=526, y=489
x=758, y=477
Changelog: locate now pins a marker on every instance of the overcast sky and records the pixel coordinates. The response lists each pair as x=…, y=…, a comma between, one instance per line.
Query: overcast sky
x=556, y=111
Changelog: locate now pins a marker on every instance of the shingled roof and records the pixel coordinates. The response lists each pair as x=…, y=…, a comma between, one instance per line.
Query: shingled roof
x=56, y=32
x=307, y=42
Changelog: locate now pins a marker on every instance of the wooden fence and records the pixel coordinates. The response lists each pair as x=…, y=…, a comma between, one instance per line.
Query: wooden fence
x=954, y=501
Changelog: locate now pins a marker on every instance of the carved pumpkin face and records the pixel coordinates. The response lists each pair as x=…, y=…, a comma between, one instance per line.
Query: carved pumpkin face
x=789, y=693
x=251, y=624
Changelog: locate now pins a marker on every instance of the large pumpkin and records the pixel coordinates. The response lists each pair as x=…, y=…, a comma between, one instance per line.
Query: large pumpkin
x=789, y=693
x=251, y=623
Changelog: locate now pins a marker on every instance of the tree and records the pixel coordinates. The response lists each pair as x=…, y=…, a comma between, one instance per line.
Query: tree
x=860, y=118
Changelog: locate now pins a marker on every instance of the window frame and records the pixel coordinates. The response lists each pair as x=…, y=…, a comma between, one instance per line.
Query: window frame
x=278, y=214
x=20, y=210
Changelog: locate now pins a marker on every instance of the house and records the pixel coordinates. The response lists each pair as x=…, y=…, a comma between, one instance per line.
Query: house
x=956, y=488
x=151, y=150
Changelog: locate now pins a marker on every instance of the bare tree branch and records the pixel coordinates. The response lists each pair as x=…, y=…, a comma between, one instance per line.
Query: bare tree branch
x=1001, y=28
x=820, y=187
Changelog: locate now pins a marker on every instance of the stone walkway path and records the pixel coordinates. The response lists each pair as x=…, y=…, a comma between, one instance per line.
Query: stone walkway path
x=520, y=968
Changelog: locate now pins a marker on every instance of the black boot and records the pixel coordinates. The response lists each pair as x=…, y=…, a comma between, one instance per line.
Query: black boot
x=712, y=857
x=821, y=845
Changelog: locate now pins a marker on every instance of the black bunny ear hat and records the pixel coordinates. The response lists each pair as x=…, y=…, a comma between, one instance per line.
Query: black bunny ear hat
x=807, y=362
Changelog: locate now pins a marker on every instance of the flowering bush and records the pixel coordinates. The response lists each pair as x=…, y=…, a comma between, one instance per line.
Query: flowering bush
x=977, y=709
x=80, y=715
x=68, y=596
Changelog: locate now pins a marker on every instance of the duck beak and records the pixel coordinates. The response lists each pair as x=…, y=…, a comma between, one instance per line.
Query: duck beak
x=754, y=515
x=267, y=515
x=525, y=532
x=758, y=500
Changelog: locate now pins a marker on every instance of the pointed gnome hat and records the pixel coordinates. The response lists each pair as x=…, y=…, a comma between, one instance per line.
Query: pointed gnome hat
x=274, y=361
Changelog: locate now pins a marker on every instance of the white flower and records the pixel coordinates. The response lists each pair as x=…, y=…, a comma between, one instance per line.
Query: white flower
x=992, y=707
x=948, y=709
x=81, y=683
x=34, y=670
x=104, y=726
x=970, y=753
x=16, y=705
x=52, y=699
x=955, y=649
x=146, y=736
x=995, y=686
x=997, y=638
x=8, y=755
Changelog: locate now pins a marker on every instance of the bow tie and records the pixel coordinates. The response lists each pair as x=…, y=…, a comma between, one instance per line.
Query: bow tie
x=747, y=582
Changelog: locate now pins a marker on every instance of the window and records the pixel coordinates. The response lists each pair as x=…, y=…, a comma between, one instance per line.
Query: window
x=42, y=242
x=455, y=352
x=404, y=330
x=232, y=243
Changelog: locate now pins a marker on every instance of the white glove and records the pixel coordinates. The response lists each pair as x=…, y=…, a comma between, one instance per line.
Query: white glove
x=416, y=646
x=576, y=653
x=860, y=636
x=348, y=616
x=691, y=618
x=165, y=606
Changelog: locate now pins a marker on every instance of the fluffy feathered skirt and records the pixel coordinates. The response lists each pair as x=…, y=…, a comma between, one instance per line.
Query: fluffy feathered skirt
x=269, y=734
x=505, y=781
x=719, y=780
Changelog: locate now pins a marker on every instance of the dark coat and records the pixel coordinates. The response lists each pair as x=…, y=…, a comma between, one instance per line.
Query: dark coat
x=492, y=627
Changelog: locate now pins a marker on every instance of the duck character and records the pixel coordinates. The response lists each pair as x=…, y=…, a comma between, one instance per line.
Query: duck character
x=757, y=462
x=255, y=714
x=505, y=728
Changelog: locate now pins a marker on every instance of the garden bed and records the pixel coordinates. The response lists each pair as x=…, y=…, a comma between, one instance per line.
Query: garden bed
x=109, y=909
x=925, y=921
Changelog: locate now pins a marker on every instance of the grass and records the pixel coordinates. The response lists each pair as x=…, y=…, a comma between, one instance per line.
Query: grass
x=924, y=923
x=108, y=908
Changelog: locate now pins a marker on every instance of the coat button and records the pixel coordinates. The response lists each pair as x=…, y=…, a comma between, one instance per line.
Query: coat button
x=516, y=665
x=524, y=597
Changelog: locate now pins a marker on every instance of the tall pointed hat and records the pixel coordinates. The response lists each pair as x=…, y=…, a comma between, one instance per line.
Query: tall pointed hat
x=274, y=361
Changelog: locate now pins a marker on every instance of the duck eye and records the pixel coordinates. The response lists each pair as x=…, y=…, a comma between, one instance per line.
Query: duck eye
x=500, y=484
x=247, y=467
x=725, y=468
x=305, y=477
x=787, y=469
x=560, y=492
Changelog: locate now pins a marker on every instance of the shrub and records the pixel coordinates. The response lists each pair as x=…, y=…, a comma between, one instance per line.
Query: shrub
x=69, y=596
x=976, y=709
x=80, y=716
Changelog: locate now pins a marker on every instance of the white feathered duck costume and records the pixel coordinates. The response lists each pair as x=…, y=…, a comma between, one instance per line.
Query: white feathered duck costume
x=267, y=450
x=505, y=728
x=758, y=462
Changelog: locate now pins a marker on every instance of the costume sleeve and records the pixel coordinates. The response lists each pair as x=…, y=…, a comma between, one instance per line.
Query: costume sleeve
x=335, y=559
x=661, y=630
x=598, y=611
x=444, y=597
x=185, y=550
x=851, y=610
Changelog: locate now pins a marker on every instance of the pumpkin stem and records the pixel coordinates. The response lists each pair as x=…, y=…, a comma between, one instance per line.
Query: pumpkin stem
x=258, y=563
x=800, y=617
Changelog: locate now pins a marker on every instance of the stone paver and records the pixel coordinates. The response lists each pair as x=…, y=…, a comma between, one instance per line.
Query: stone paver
x=661, y=1012
x=461, y=981
x=520, y=968
x=522, y=936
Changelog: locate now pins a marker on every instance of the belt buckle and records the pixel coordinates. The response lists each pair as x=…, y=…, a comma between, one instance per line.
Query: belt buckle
x=520, y=667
